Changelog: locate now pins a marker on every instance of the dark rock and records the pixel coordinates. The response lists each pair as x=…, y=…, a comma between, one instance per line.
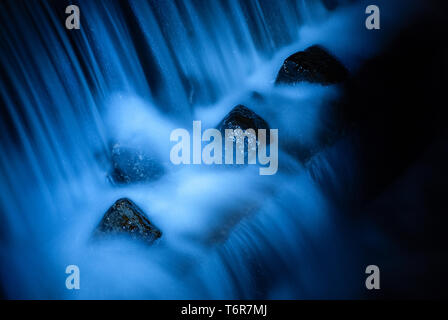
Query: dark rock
x=243, y=118
x=314, y=65
x=132, y=165
x=125, y=218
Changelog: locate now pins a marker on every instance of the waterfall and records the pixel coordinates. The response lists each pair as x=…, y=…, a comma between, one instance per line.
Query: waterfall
x=135, y=70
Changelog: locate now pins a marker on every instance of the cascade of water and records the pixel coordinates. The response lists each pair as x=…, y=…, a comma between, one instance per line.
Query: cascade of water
x=164, y=62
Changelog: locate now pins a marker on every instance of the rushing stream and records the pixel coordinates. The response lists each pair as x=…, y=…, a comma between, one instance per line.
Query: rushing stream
x=135, y=71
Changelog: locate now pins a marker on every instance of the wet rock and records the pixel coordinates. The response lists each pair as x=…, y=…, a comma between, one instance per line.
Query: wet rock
x=314, y=65
x=132, y=165
x=243, y=118
x=126, y=218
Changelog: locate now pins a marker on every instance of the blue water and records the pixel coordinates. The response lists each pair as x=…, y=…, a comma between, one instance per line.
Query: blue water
x=132, y=73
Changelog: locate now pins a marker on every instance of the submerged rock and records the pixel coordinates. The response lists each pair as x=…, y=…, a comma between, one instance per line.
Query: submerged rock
x=132, y=165
x=126, y=218
x=314, y=65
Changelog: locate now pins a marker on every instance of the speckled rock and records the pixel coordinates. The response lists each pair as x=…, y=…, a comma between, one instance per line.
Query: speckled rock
x=126, y=218
x=243, y=118
x=313, y=65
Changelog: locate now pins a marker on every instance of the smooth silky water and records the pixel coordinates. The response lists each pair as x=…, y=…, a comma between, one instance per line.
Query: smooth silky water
x=135, y=71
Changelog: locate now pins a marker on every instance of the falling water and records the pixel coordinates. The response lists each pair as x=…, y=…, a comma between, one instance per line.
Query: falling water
x=133, y=72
